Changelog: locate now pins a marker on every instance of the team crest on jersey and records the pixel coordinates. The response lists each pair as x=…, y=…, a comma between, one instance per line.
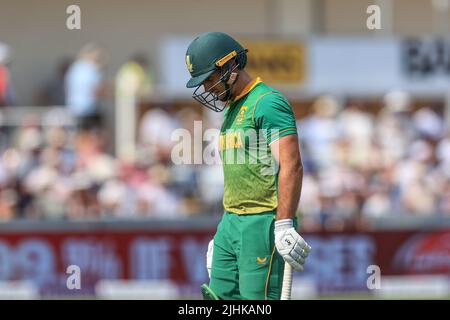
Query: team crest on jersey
x=241, y=115
x=189, y=64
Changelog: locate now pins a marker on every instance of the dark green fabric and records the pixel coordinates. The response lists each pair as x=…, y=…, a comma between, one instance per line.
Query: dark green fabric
x=243, y=248
x=204, y=51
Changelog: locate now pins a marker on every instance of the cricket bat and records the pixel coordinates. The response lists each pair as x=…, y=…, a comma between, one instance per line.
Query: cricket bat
x=287, y=282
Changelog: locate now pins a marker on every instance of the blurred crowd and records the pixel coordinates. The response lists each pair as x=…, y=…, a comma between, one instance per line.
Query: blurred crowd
x=57, y=171
x=361, y=165
x=358, y=163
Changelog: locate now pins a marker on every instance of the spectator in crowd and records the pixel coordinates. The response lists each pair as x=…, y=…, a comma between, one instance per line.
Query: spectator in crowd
x=155, y=133
x=443, y=155
x=134, y=83
x=155, y=197
x=85, y=86
x=428, y=124
x=321, y=131
x=357, y=129
x=6, y=89
x=134, y=78
x=444, y=203
x=394, y=129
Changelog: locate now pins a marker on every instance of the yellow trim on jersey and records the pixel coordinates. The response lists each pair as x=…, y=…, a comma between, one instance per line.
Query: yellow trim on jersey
x=248, y=88
x=268, y=275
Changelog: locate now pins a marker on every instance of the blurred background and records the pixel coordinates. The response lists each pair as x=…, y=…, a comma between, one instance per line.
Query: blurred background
x=87, y=122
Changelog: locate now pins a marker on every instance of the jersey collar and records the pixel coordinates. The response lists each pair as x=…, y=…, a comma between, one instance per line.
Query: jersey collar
x=249, y=87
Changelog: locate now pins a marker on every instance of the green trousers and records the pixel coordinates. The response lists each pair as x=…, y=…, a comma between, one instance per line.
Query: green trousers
x=246, y=264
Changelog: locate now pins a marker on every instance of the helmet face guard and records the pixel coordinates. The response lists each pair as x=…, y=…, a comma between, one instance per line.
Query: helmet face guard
x=211, y=100
x=208, y=99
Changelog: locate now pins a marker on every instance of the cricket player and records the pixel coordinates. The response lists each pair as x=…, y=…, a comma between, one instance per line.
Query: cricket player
x=257, y=233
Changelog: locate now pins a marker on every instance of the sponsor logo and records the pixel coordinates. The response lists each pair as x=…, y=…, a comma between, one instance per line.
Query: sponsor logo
x=261, y=261
x=424, y=254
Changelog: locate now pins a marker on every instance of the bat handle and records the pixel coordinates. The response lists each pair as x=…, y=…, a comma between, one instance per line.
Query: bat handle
x=287, y=282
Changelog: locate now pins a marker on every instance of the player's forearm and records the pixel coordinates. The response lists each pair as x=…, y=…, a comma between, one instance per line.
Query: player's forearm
x=289, y=189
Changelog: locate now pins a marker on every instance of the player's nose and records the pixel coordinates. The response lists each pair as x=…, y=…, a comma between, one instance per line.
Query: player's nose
x=207, y=84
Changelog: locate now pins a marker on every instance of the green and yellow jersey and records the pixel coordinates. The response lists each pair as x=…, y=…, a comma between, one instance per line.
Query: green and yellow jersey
x=257, y=117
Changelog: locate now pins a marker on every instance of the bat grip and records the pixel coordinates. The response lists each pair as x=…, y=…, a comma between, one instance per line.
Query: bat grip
x=287, y=282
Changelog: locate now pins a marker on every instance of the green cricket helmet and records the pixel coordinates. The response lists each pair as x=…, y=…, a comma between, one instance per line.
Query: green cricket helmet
x=208, y=53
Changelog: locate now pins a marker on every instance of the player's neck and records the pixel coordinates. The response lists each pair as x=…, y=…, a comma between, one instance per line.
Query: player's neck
x=242, y=82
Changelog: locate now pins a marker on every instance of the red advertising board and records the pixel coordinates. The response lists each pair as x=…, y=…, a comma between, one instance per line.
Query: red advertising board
x=339, y=261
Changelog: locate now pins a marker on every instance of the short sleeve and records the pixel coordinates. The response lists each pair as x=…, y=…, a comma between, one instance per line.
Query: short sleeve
x=275, y=117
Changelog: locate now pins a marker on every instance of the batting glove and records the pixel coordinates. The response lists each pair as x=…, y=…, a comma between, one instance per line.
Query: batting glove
x=290, y=245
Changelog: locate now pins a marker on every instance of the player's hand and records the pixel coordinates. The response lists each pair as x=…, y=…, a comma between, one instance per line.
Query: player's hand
x=291, y=246
x=209, y=255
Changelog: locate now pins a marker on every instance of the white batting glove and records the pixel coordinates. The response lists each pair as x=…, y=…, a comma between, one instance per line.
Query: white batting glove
x=209, y=256
x=291, y=246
